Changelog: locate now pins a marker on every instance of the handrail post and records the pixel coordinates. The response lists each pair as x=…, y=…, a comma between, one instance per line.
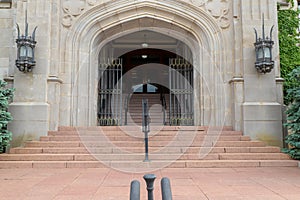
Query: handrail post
x=164, y=107
x=145, y=126
x=126, y=109
x=166, y=192
x=150, y=178
x=135, y=190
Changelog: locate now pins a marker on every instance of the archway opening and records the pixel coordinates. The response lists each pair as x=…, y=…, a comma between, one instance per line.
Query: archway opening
x=145, y=65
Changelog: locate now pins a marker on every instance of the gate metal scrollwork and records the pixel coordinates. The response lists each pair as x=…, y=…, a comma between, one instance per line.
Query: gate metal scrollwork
x=181, y=92
x=110, y=93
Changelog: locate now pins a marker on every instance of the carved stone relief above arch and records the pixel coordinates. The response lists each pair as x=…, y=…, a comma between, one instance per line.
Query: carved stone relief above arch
x=74, y=8
x=218, y=9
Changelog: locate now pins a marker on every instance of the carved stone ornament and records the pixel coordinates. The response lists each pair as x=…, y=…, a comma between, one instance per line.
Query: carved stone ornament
x=74, y=8
x=219, y=9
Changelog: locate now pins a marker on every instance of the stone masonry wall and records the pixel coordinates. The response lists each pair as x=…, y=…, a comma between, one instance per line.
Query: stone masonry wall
x=6, y=37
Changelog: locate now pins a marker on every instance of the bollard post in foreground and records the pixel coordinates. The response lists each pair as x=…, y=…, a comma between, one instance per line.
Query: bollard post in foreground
x=135, y=190
x=149, y=178
x=166, y=192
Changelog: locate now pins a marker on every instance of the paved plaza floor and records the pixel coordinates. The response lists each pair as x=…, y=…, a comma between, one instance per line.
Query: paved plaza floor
x=187, y=184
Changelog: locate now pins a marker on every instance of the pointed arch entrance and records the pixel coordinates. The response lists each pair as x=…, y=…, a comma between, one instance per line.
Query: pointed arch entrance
x=101, y=25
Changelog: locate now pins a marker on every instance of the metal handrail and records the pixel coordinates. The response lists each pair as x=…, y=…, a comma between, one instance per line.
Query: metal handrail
x=145, y=126
x=164, y=107
x=126, y=107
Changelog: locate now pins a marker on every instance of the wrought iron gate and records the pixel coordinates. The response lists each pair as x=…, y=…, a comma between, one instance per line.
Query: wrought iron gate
x=181, y=92
x=110, y=93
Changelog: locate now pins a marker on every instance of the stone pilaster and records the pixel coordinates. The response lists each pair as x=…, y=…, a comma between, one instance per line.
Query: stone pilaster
x=262, y=114
x=30, y=108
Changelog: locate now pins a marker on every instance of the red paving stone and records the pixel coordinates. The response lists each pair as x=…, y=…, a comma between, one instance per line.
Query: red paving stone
x=274, y=183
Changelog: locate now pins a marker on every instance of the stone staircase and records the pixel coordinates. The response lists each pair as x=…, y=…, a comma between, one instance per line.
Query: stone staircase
x=122, y=148
x=154, y=106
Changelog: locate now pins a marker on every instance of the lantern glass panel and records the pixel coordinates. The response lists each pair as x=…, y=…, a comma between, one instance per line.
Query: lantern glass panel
x=29, y=52
x=260, y=53
x=267, y=52
x=23, y=51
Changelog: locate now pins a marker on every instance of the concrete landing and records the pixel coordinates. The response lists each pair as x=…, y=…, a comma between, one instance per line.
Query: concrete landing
x=188, y=184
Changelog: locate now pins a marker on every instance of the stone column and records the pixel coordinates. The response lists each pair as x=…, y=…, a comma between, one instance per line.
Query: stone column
x=262, y=114
x=30, y=109
x=237, y=80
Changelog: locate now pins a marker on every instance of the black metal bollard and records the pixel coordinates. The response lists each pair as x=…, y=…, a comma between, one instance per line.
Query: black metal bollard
x=166, y=192
x=135, y=190
x=149, y=178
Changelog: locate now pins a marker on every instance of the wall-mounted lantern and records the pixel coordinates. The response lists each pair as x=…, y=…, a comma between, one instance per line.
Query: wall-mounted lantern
x=26, y=44
x=263, y=48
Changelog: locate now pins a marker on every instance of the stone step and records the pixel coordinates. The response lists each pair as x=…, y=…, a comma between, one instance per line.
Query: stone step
x=174, y=143
x=254, y=156
x=52, y=144
x=141, y=138
x=146, y=166
x=131, y=128
x=140, y=156
x=239, y=144
x=83, y=150
x=139, y=132
x=123, y=147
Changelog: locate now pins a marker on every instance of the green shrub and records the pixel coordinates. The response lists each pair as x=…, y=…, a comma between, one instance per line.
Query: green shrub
x=6, y=96
x=288, y=23
x=293, y=116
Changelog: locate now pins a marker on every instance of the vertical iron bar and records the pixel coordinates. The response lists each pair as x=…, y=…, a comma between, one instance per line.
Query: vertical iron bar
x=121, y=90
x=118, y=100
x=170, y=87
x=188, y=108
x=114, y=91
x=182, y=88
x=177, y=94
x=118, y=104
x=187, y=87
x=110, y=92
x=100, y=91
x=106, y=94
x=192, y=93
x=173, y=91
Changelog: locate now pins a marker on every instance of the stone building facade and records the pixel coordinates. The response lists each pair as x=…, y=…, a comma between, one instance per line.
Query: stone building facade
x=76, y=39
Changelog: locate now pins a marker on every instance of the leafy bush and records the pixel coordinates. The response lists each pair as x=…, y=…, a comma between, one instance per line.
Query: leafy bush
x=293, y=116
x=288, y=23
x=6, y=95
